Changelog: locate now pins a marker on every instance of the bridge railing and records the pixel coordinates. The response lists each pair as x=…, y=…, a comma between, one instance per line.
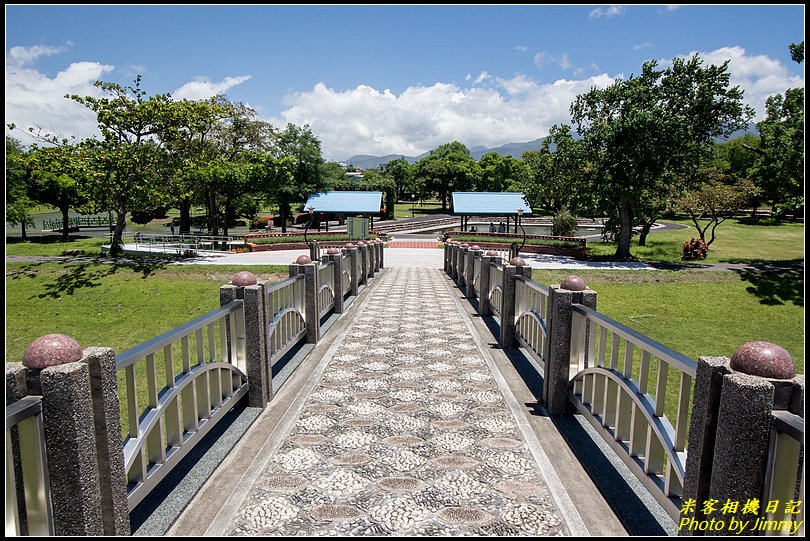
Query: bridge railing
x=785, y=465
x=28, y=498
x=623, y=382
x=652, y=404
x=285, y=309
x=116, y=425
x=184, y=397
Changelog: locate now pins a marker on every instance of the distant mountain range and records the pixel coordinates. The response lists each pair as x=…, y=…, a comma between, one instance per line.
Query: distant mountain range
x=516, y=150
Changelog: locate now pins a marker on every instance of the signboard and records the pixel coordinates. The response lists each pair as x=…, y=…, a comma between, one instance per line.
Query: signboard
x=357, y=228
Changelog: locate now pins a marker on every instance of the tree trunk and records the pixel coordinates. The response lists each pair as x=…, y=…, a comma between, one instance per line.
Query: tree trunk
x=282, y=207
x=645, y=230
x=24, y=235
x=185, y=216
x=65, y=211
x=227, y=216
x=213, y=215
x=625, y=231
x=117, y=241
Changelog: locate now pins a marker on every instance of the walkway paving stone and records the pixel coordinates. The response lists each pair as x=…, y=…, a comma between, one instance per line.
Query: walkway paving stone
x=406, y=433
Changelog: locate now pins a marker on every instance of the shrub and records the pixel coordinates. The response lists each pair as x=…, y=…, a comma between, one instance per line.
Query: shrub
x=260, y=222
x=564, y=224
x=695, y=249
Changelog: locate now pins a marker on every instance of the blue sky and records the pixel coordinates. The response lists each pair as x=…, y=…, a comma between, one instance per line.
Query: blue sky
x=382, y=79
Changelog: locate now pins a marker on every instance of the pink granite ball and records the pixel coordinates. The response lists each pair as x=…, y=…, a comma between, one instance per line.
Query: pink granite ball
x=52, y=350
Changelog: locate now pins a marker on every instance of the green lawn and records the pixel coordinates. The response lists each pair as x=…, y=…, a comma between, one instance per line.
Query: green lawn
x=702, y=312
x=402, y=209
x=736, y=242
x=110, y=305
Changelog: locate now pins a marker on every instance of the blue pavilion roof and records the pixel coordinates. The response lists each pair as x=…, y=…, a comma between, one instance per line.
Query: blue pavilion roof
x=490, y=203
x=346, y=202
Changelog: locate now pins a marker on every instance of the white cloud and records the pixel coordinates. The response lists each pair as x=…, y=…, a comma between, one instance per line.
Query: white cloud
x=202, y=87
x=607, y=13
x=521, y=48
x=483, y=76
x=759, y=76
x=34, y=100
x=540, y=58
x=20, y=56
x=644, y=45
x=673, y=7
x=564, y=62
x=365, y=120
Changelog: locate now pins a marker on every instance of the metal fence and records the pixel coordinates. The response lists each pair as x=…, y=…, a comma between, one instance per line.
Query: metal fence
x=785, y=466
x=495, y=289
x=182, y=244
x=285, y=304
x=326, y=288
x=31, y=515
x=184, y=398
x=619, y=380
x=531, y=326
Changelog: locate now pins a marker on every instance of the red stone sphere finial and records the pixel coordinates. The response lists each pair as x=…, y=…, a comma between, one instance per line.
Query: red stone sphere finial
x=349, y=246
x=333, y=251
x=492, y=253
x=475, y=247
x=303, y=260
x=52, y=350
x=763, y=359
x=244, y=278
x=518, y=262
x=573, y=283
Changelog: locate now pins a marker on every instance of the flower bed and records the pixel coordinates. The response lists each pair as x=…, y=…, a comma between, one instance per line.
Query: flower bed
x=262, y=242
x=535, y=244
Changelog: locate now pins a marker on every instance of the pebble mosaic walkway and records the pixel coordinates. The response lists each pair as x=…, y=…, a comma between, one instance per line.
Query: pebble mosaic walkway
x=406, y=433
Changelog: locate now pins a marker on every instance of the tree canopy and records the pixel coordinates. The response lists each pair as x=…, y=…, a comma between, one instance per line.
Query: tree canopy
x=643, y=132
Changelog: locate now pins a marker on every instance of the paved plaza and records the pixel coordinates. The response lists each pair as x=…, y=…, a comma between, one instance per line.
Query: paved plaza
x=407, y=428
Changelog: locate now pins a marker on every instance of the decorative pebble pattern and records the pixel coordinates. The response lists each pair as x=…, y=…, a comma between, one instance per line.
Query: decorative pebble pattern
x=406, y=433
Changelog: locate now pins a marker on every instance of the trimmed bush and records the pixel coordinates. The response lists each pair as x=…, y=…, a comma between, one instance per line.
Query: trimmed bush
x=564, y=224
x=694, y=250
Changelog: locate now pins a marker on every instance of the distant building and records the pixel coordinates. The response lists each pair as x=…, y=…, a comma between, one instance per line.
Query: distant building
x=354, y=175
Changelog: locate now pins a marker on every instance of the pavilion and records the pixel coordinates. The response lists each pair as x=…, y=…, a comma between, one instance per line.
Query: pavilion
x=496, y=204
x=342, y=204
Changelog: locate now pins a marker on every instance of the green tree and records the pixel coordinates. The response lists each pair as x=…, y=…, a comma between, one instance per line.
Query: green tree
x=307, y=175
x=58, y=178
x=781, y=149
x=127, y=167
x=735, y=159
x=557, y=171
x=642, y=132
x=192, y=144
x=18, y=186
x=713, y=202
x=797, y=51
x=498, y=173
x=403, y=175
x=447, y=169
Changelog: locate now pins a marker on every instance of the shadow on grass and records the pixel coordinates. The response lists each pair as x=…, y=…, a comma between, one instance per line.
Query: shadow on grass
x=775, y=287
x=44, y=239
x=82, y=275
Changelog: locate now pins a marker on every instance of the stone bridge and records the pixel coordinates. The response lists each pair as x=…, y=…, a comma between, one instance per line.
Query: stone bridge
x=352, y=399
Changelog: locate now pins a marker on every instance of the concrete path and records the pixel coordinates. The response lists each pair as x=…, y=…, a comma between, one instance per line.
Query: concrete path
x=406, y=427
